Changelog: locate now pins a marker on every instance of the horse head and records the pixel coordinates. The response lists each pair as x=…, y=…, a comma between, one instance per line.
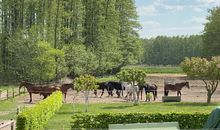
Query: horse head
x=65, y=87
x=23, y=83
x=187, y=84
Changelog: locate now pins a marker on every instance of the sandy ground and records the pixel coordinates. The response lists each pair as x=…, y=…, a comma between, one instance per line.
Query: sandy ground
x=196, y=93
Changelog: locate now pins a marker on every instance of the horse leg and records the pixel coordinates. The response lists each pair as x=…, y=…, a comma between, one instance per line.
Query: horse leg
x=95, y=92
x=65, y=97
x=141, y=94
x=102, y=93
x=30, y=97
x=154, y=94
x=118, y=93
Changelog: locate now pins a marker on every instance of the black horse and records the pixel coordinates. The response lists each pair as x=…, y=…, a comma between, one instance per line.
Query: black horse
x=149, y=89
x=102, y=86
x=117, y=86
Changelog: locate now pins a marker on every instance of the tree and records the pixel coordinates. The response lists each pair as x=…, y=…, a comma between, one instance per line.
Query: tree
x=161, y=50
x=132, y=76
x=33, y=59
x=207, y=71
x=85, y=83
x=211, y=35
x=128, y=38
x=79, y=60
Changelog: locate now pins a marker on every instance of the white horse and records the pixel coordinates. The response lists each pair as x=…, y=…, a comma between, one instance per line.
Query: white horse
x=131, y=91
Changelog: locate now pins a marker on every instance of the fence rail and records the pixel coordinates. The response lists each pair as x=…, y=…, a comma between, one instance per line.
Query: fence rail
x=11, y=93
x=7, y=125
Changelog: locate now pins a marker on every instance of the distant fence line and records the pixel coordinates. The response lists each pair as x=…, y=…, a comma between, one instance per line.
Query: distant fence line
x=11, y=93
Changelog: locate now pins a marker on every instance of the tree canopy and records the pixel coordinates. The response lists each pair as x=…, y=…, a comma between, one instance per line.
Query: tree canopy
x=202, y=69
x=211, y=37
x=105, y=31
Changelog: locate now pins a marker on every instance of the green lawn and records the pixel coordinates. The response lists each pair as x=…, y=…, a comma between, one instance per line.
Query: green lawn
x=67, y=110
x=157, y=69
x=8, y=108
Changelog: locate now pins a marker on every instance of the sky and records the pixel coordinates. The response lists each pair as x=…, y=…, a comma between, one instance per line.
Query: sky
x=173, y=17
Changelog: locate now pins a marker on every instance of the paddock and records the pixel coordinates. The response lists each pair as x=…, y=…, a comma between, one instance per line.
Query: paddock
x=196, y=93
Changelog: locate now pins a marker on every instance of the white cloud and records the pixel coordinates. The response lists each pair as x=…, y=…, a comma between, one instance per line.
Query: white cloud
x=197, y=9
x=198, y=20
x=151, y=24
x=147, y=10
x=171, y=31
x=173, y=8
x=208, y=1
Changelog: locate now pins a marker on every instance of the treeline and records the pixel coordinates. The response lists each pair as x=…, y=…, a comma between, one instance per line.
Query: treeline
x=164, y=50
x=43, y=40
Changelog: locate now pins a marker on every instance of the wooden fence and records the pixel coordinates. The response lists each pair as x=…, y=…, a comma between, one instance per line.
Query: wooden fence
x=7, y=125
x=11, y=93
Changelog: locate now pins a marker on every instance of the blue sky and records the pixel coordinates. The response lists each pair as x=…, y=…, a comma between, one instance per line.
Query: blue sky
x=173, y=17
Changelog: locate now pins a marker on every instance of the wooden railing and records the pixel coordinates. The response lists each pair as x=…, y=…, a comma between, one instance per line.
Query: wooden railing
x=11, y=93
x=7, y=125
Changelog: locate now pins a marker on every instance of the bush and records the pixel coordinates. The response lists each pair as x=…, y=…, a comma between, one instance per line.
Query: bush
x=101, y=121
x=36, y=117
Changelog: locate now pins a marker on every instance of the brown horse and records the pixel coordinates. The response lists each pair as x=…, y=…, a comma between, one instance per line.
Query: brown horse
x=176, y=87
x=37, y=89
x=64, y=88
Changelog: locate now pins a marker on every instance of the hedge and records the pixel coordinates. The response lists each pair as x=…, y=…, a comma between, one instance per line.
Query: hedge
x=101, y=121
x=36, y=117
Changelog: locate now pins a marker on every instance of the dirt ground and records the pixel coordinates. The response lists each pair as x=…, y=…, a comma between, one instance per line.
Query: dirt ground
x=196, y=93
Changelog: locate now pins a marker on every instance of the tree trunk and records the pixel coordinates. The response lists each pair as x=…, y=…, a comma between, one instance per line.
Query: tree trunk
x=86, y=100
x=209, y=96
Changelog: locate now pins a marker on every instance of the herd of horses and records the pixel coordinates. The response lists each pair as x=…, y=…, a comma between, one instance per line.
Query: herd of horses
x=131, y=90
x=45, y=90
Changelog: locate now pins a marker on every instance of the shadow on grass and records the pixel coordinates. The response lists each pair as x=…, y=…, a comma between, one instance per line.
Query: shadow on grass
x=191, y=104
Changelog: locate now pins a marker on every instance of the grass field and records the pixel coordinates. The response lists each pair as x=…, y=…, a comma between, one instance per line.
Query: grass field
x=8, y=108
x=157, y=69
x=63, y=117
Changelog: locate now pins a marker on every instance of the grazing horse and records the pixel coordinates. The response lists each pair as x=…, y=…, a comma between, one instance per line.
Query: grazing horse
x=37, y=89
x=115, y=85
x=150, y=89
x=176, y=87
x=65, y=87
x=132, y=90
x=102, y=86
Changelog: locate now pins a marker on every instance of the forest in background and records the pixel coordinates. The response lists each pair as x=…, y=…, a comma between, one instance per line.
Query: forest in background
x=45, y=40
x=164, y=50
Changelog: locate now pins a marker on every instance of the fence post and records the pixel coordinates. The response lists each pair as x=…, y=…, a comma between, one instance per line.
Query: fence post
x=13, y=92
x=0, y=94
x=19, y=92
x=24, y=89
x=7, y=94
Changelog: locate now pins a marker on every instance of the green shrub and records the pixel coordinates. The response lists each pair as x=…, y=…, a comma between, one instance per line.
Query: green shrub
x=101, y=121
x=36, y=117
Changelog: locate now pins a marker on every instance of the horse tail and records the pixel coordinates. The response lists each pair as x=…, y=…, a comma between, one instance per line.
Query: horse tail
x=155, y=90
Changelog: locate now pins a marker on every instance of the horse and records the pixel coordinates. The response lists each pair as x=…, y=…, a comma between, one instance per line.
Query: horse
x=131, y=90
x=150, y=89
x=115, y=85
x=176, y=87
x=48, y=90
x=37, y=89
x=102, y=86
x=65, y=87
